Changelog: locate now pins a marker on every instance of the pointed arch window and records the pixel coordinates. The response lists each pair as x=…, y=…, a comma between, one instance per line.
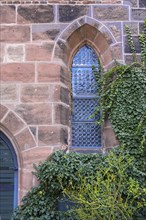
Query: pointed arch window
x=85, y=133
x=8, y=178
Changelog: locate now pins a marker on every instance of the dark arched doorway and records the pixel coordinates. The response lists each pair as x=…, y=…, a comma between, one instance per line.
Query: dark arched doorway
x=8, y=178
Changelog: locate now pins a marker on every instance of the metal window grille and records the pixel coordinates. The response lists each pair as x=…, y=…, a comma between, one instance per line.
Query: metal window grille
x=85, y=133
x=8, y=178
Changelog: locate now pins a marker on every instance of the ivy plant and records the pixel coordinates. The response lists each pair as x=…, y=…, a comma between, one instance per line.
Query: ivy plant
x=123, y=101
x=110, y=193
x=74, y=175
x=41, y=202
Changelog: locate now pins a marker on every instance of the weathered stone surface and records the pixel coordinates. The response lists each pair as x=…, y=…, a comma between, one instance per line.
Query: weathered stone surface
x=44, y=93
x=64, y=95
x=72, y=2
x=93, y=23
x=7, y=14
x=141, y=27
x=87, y=150
x=129, y=59
x=46, y=34
x=46, y=31
x=25, y=140
x=26, y=180
x=142, y=3
x=34, y=131
x=109, y=138
x=68, y=13
x=2, y=53
x=14, y=34
x=34, y=156
x=13, y=123
x=35, y=14
x=76, y=38
x=133, y=26
x=117, y=51
x=48, y=72
x=138, y=14
x=14, y=53
x=52, y=73
x=70, y=30
x=58, y=93
x=111, y=13
x=116, y=29
x=101, y=43
x=40, y=52
x=107, y=57
x=35, y=93
x=35, y=114
x=136, y=43
x=52, y=135
x=111, y=65
x=8, y=93
x=61, y=52
x=22, y=193
x=107, y=123
x=61, y=114
x=3, y=111
x=87, y=32
x=82, y=21
x=107, y=35
x=55, y=93
x=17, y=72
x=132, y=3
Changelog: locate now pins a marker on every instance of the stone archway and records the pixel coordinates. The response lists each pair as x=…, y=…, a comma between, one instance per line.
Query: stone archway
x=8, y=177
x=92, y=32
x=23, y=143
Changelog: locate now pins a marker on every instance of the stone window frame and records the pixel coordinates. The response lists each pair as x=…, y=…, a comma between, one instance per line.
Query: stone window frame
x=102, y=41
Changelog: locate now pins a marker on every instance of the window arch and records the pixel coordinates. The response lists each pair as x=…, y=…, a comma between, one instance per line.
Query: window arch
x=85, y=133
x=8, y=178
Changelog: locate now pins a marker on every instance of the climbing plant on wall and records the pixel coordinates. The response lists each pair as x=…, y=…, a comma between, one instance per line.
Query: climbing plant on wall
x=123, y=101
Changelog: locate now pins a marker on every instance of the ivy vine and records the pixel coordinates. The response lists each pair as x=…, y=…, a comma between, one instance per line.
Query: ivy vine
x=123, y=100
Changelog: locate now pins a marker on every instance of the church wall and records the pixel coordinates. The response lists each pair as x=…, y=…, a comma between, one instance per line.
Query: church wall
x=38, y=40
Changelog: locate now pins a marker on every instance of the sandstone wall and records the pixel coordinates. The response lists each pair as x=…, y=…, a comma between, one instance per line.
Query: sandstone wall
x=38, y=41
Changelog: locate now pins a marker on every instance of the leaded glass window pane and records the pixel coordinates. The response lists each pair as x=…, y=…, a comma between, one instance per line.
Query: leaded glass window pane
x=85, y=133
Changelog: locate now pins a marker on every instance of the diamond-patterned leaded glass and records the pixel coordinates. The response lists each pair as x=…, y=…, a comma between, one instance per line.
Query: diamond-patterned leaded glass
x=85, y=133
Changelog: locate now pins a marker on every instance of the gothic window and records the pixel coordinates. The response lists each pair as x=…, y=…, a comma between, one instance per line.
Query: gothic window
x=8, y=178
x=85, y=133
